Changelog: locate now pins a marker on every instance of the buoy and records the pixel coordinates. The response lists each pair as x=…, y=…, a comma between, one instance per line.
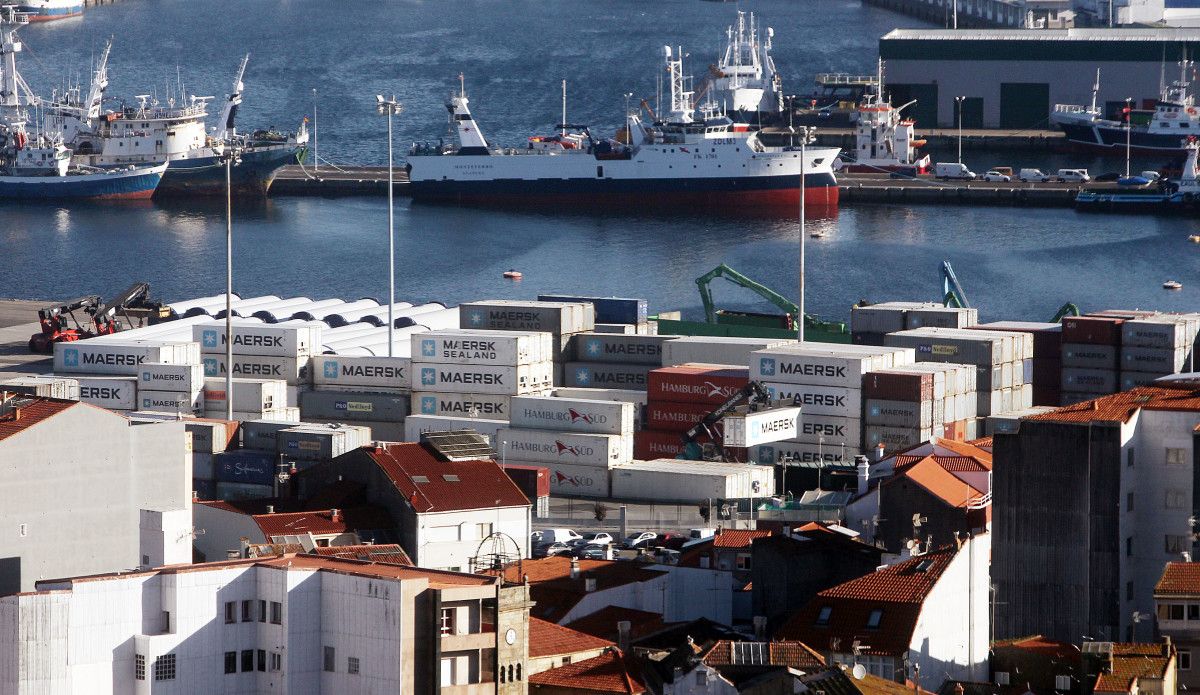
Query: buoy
x=513, y=274
x=1195, y=238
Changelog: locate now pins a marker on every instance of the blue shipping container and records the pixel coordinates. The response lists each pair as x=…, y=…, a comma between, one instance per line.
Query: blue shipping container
x=608, y=309
x=254, y=467
x=204, y=489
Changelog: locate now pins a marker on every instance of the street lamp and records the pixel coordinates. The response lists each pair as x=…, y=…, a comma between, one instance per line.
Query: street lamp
x=230, y=157
x=958, y=103
x=806, y=134
x=316, y=156
x=390, y=107
x=1128, y=131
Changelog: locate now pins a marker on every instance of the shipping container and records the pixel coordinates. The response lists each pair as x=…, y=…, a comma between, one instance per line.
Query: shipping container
x=312, y=442
x=249, y=395
x=534, y=481
x=895, y=438
x=1131, y=379
x=246, y=466
x=416, y=425
x=1094, y=330
x=204, y=489
x=651, y=444
x=243, y=491
x=819, y=400
x=461, y=404
x=803, y=453
x=120, y=358
x=517, y=315
x=571, y=415
x=697, y=383
x=1010, y=422
x=958, y=378
x=607, y=375
x=673, y=416
x=293, y=370
x=475, y=347
x=671, y=480
x=626, y=395
x=617, y=328
x=841, y=365
x=483, y=378
x=567, y=447
x=607, y=309
x=1160, y=360
x=179, y=378
x=941, y=317
x=358, y=405
x=375, y=372
x=567, y=480
x=1087, y=356
x=273, y=340
x=1089, y=380
x=202, y=466
x=283, y=414
x=747, y=429
x=886, y=317
x=705, y=349
x=112, y=392
x=899, y=385
x=1166, y=331
x=830, y=430
x=969, y=346
x=1047, y=373
x=910, y=414
x=60, y=387
x=623, y=349
x=210, y=436
x=263, y=435
x=1047, y=337
x=170, y=402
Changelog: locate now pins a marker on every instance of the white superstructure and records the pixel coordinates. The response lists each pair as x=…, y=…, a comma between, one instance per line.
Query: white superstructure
x=748, y=82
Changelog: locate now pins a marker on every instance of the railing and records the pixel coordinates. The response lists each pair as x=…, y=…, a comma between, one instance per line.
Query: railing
x=1071, y=108
x=845, y=78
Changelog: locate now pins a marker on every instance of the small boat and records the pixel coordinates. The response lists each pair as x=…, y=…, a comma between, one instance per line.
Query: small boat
x=513, y=274
x=1172, y=285
x=817, y=234
x=1195, y=238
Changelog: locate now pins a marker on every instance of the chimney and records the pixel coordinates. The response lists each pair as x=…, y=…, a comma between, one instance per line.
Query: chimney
x=589, y=584
x=1166, y=645
x=195, y=495
x=864, y=472
x=760, y=628
x=623, y=630
x=232, y=554
x=574, y=568
x=879, y=449
x=270, y=509
x=335, y=514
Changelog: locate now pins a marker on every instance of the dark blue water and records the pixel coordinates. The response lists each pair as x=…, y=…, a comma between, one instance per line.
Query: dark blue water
x=1014, y=263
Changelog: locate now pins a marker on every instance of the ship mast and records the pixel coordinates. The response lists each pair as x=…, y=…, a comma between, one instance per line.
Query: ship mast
x=227, y=129
x=95, y=100
x=681, y=100
x=11, y=83
x=563, y=122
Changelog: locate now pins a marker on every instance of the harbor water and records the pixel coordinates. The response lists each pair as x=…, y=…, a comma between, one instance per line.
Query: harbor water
x=1014, y=263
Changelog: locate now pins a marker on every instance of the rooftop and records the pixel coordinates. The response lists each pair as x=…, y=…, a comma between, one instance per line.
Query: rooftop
x=939, y=482
x=390, y=553
x=950, y=454
x=1119, y=407
x=611, y=672
x=791, y=653
x=603, y=623
x=433, y=485
x=1179, y=578
x=1041, y=645
x=549, y=639
x=34, y=411
x=737, y=538
x=1131, y=662
x=325, y=522
x=556, y=593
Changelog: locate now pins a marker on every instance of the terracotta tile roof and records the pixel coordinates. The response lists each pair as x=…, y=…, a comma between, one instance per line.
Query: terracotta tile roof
x=556, y=593
x=984, y=443
x=950, y=454
x=792, y=654
x=737, y=538
x=548, y=639
x=272, y=549
x=1131, y=662
x=322, y=522
x=603, y=623
x=611, y=672
x=377, y=552
x=37, y=409
x=897, y=591
x=1119, y=407
x=1180, y=578
x=1041, y=645
x=479, y=484
x=837, y=680
x=939, y=482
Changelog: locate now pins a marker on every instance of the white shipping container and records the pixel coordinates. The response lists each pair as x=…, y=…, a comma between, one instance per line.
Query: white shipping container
x=122, y=358
x=260, y=338
x=416, y=425
x=601, y=450
x=273, y=414
x=626, y=395
x=988, y=402
x=896, y=438
x=375, y=372
x=483, y=378
x=485, y=405
x=170, y=401
x=749, y=429
x=502, y=348
x=180, y=378
x=112, y=392
x=829, y=430
x=672, y=480
x=293, y=370
x=941, y=317
x=249, y=395
x=572, y=415
x=561, y=318
x=706, y=349
x=899, y=413
x=959, y=378
x=61, y=387
x=819, y=400
x=321, y=442
x=841, y=365
x=1165, y=331
x=802, y=453
x=567, y=480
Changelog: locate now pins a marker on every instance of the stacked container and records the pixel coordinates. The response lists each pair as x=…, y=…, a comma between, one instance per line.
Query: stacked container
x=1091, y=357
x=171, y=388
x=108, y=371
x=208, y=438
x=373, y=392
x=579, y=440
x=273, y=352
x=918, y=403
x=612, y=360
x=869, y=324
x=613, y=314
x=708, y=349
x=1044, y=370
x=253, y=399
x=60, y=387
x=306, y=445
x=562, y=320
x=1157, y=346
x=678, y=398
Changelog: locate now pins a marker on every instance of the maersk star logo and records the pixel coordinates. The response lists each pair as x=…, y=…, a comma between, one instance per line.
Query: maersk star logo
x=429, y=405
x=766, y=366
x=209, y=338
x=766, y=455
x=428, y=376
x=476, y=318
x=429, y=348
x=331, y=369
x=70, y=357
x=583, y=376
x=210, y=366
x=594, y=347
x=145, y=376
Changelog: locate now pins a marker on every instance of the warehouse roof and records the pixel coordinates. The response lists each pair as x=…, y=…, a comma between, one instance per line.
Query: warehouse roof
x=1074, y=34
x=1119, y=407
x=548, y=639
x=1179, y=578
x=29, y=411
x=433, y=485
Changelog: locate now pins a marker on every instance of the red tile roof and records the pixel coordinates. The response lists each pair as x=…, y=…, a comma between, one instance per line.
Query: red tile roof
x=548, y=639
x=792, y=654
x=737, y=538
x=1179, y=578
x=26, y=416
x=1131, y=662
x=321, y=523
x=556, y=593
x=611, y=672
x=939, y=482
x=479, y=484
x=897, y=591
x=952, y=455
x=1119, y=407
x=1043, y=646
x=603, y=623
x=380, y=552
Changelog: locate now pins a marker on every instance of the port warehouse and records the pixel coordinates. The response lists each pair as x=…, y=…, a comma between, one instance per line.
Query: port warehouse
x=1012, y=78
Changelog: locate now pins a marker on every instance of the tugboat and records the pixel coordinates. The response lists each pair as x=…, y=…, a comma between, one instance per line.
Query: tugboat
x=1176, y=111
x=883, y=140
x=677, y=161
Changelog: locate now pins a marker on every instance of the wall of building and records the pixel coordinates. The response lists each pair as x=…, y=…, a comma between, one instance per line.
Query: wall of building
x=713, y=588
x=900, y=499
x=85, y=469
x=951, y=638
x=222, y=531
x=644, y=596
x=788, y=574
x=448, y=540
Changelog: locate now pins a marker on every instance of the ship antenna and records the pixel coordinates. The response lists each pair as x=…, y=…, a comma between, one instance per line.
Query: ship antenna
x=462, y=86
x=564, y=107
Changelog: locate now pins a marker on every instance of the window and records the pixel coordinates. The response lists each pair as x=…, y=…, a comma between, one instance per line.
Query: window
x=1185, y=659
x=743, y=561
x=166, y=621
x=247, y=611
x=276, y=661
x=1176, y=457
x=230, y=662
x=230, y=612
x=823, y=615
x=1175, y=499
x=1175, y=611
x=1128, y=591
x=164, y=668
x=1001, y=677
x=1129, y=546
x=1129, y=501
x=262, y=611
x=1129, y=458
x=139, y=667
x=276, y=613
x=1062, y=682
x=352, y=665
x=330, y=658
x=566, y=660
x=446, y=622
x=1193, y=611
x=705, y=562
x=874, y=618
x=247, y=660
x=518, y=672
x=502, y=674
x=1175, y=544
x=262, y=659
x=483, y=530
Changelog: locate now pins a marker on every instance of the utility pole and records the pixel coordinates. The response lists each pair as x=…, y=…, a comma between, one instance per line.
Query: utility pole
x=390, y=107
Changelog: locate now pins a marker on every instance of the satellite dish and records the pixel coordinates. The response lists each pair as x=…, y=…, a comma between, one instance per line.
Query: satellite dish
x=859, y=671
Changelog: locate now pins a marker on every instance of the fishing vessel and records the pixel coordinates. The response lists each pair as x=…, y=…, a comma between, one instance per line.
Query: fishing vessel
x=1163, y=196
x=883, y=139
x=45, y=10
x=1175, y=115
x=676, y=161
x=151, y=131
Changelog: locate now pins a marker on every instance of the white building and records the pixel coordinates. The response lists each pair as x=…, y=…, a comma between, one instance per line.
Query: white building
x=225, y=528
x=83, y=490
x=295, y=624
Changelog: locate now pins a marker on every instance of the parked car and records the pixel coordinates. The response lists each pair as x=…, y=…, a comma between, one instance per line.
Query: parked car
x=1073, y=176
x=1133, y=181
x=993, y=175
x=953, y=170
x=535, y=539
x=1006, y=171
x=559, y=535
x=1107, y=177
x=590, y=552
x=635, y=540
x=600, y=539
x=1028, y=175
x=1152, y=175
x=549, y=549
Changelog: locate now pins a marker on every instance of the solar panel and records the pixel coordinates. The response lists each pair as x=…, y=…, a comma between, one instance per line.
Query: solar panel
x=458, y=445
x=749, y=653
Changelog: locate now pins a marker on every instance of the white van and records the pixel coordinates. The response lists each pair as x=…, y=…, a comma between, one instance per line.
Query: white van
x=1073, y=176
x=953, y=170
x=559, y=535
x=1028, y=175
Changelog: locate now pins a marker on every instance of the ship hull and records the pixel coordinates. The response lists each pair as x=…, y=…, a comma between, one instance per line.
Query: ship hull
x=1106, y=139
x=205, y=176
x=134, y=185
x=49, y=11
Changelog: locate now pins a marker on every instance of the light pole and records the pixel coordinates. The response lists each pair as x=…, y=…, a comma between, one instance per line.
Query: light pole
x=390, y=107
x=958, y=104
x=805, y=134
x=1128, y=131
x=230, y=155
x=316, y=156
